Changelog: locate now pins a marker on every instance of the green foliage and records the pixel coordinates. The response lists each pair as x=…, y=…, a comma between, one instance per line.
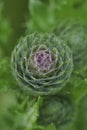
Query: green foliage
x=44, y=16
x=47, y=15
x=81, y=122
x=5, y=29
x=21, y=112
x=51, y=126
x=6, y=81
x=7, y=100
x=26, y=117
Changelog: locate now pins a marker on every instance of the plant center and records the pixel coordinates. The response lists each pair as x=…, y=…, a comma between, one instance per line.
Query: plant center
x=43, y=60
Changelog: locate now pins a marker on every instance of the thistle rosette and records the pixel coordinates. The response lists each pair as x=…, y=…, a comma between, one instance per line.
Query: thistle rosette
x=42, y=63
x=57, y=109
x=75, y=35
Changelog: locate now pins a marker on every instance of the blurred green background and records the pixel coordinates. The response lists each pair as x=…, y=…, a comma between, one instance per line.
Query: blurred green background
x=18, y=18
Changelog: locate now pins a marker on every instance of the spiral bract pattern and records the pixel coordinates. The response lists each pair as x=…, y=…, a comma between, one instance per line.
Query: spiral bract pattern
x=56, y=109
x=42, y=63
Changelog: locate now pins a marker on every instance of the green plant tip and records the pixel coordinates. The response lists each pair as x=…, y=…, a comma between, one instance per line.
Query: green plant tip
x=57, y=109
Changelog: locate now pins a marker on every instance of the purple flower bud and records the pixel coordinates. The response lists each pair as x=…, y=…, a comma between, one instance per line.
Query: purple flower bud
x=43, y=60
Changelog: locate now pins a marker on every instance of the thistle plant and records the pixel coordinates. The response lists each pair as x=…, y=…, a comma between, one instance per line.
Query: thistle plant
x=74, y=33
x=48, y=88
x=42, y=63
x=57, y=109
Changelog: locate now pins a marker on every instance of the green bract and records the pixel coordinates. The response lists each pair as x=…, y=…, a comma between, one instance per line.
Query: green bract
x=42, y=63
x=56, y=109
